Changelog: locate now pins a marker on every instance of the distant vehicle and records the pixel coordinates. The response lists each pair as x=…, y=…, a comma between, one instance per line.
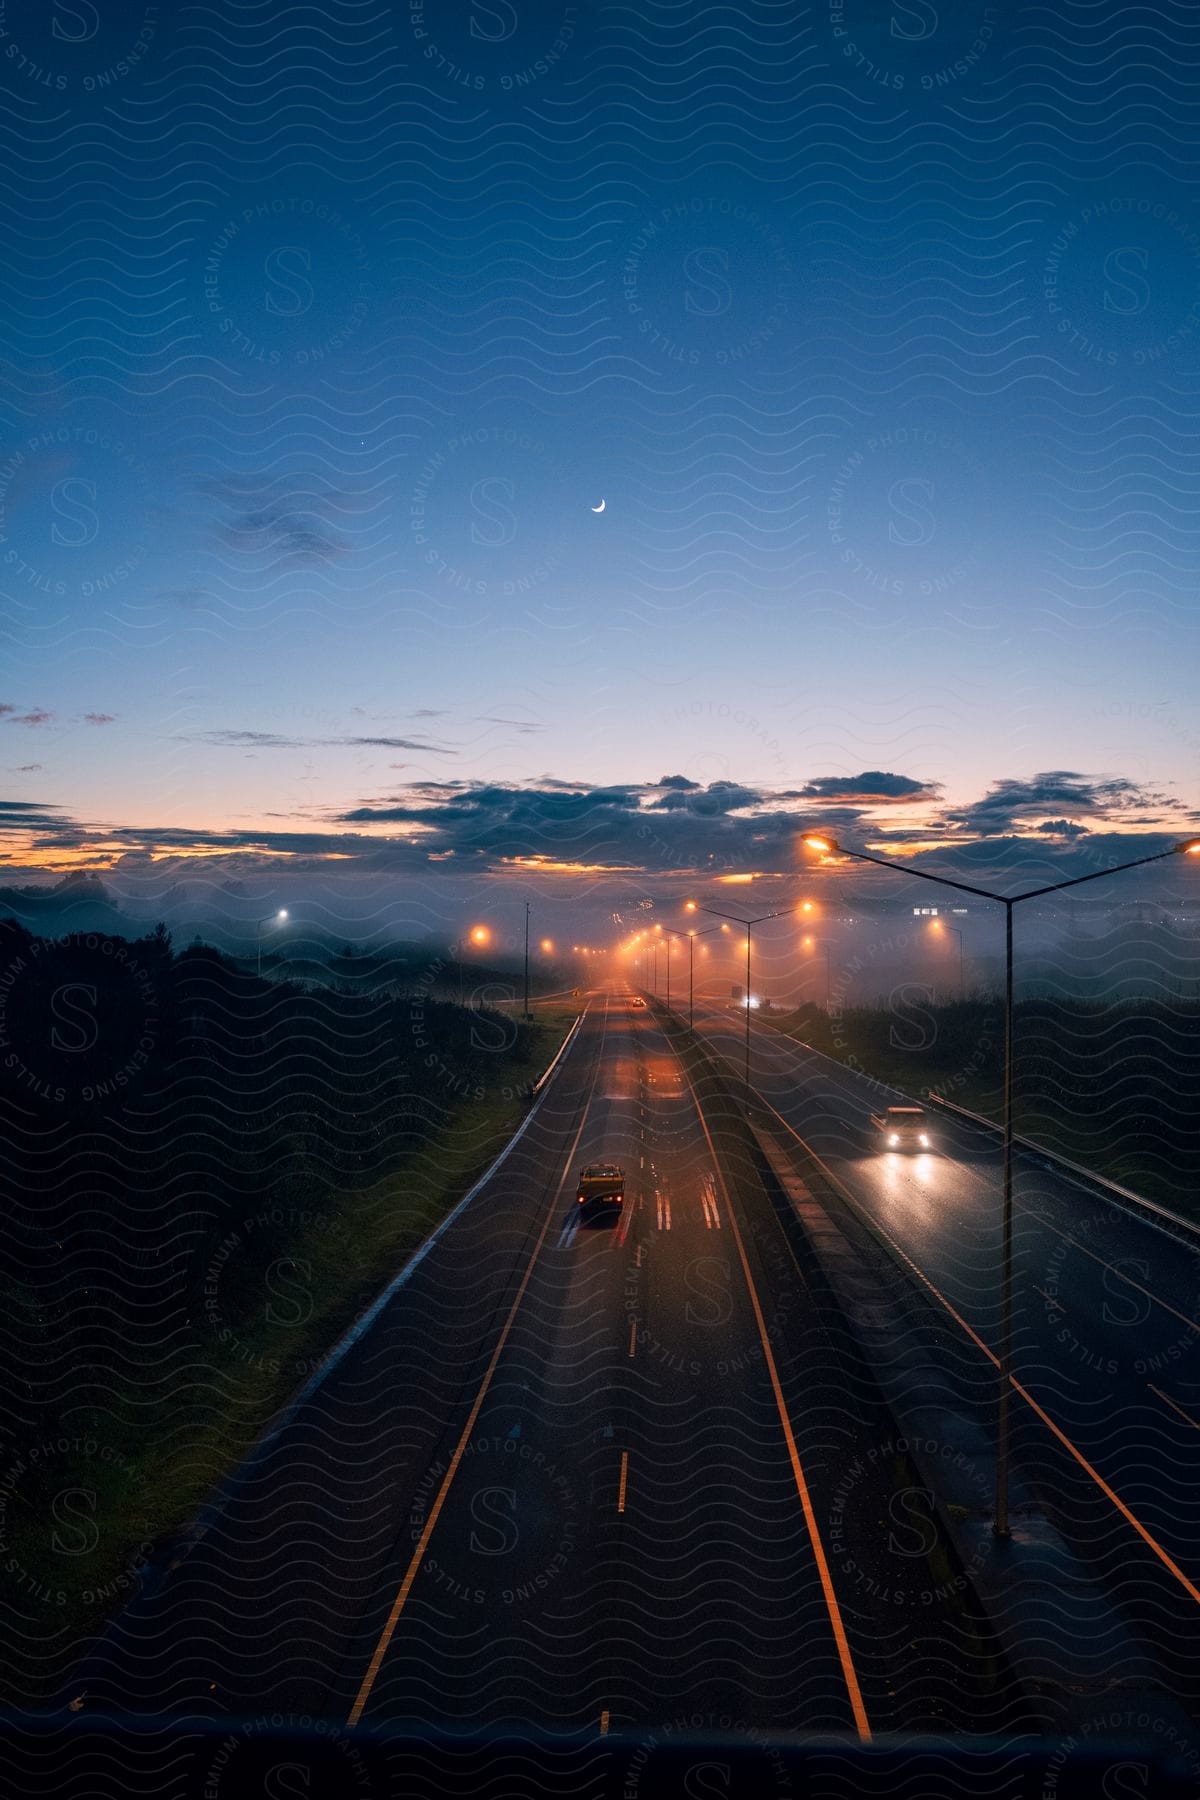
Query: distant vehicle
x=601, y=1184
x=904, y=1128
x=638, y=1001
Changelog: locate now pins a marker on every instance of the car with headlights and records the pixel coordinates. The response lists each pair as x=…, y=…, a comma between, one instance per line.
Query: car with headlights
x=904, y=1128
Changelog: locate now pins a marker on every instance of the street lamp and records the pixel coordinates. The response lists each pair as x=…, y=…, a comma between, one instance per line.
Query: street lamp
x=691, y=937
x=786, y=912
x=275, y=918
x=937, y=926
x=831, y=847
x=478, y=935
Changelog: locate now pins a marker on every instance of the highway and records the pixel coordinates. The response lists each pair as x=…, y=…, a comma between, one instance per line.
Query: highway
x=588, y=1475
x=1106, y=1315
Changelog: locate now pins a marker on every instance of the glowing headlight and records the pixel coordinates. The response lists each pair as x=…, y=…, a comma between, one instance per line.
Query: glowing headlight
x=925, y=1140
x=893, y=1139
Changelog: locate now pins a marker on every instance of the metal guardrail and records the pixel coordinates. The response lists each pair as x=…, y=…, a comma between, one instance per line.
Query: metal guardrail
x=1159, y=1215
x=542, y=1079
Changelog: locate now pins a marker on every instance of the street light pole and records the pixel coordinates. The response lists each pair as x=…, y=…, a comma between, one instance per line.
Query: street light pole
x=1006, y=1232
x=831, y=846
x=936, y=927
x=747, y=1015
x=281, y=914
x=691, y=937
x=746, y=924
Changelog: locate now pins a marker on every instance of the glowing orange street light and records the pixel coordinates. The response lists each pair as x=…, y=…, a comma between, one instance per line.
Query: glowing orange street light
x=689, y=906
x=816, y=843
x=938, y=928
x=480, y=934
x=547, y=945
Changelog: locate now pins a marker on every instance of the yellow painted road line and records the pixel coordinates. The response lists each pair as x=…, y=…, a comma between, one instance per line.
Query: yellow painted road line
x=1109, y=1493
x=604, y=1723
x=1175, y=1407
x=410, y=1574
x=1167, y=1561
x=632, y=1336
x=849, y=1673
x=624, y=1479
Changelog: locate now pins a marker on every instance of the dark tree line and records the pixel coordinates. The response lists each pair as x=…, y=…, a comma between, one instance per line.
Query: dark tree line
x=152, y=1101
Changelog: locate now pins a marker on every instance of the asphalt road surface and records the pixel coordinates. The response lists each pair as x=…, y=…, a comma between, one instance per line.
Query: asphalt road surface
x=584, y=1473
x=1106, y=1316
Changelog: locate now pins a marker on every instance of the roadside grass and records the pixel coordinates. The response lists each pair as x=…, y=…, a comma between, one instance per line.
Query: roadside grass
x=554, y=1013
x=158, y=1459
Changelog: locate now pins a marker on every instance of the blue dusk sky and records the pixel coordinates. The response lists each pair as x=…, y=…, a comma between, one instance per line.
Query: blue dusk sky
x=875, y=328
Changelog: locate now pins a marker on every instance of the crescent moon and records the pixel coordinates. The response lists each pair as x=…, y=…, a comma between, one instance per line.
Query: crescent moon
x=599, y=508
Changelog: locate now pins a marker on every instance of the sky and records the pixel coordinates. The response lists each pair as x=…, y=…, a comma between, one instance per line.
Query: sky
x=874, y=328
